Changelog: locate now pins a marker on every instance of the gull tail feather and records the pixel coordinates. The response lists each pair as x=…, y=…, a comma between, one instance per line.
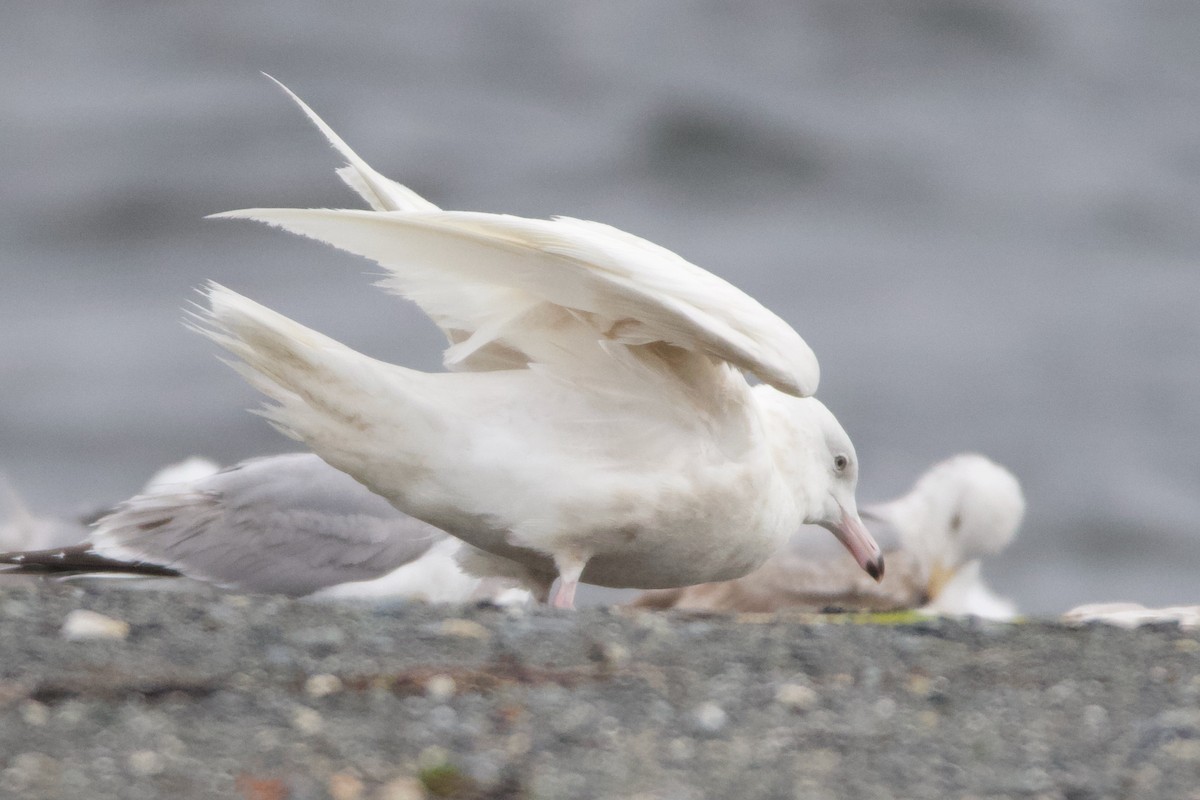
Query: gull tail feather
x=339, y=402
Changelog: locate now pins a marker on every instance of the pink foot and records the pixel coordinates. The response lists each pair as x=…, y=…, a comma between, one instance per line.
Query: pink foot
x=564, y=597
x=570, y=567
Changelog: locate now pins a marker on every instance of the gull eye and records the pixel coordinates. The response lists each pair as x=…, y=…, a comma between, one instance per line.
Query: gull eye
x=840, y=462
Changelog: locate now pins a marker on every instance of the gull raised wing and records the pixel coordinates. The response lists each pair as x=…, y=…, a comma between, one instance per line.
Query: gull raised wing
x=490, y=276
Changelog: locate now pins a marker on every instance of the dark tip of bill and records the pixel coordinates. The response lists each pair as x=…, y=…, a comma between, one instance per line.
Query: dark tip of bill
x=875, y=569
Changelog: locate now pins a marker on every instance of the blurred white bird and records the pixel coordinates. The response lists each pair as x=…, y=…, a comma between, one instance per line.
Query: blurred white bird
x=21, y=529
x=288, y=524
x=189, y=470
x=960, y=510
x=599, y=427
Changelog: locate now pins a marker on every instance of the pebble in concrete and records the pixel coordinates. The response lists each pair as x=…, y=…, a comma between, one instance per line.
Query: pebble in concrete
x=82, y=624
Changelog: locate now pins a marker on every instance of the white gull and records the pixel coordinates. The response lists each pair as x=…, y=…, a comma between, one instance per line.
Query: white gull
x=958, y=512
x=597, y=426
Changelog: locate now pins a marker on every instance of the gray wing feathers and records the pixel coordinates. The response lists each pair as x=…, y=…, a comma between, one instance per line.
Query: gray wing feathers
x=284, y=524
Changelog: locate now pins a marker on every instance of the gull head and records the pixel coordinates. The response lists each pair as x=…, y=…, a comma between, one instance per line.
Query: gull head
x=961, y=509
x=824, y=455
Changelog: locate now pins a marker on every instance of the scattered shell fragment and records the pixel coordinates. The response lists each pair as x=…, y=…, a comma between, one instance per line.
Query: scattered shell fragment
x=322, y=685
x=709, y=718
x=345, y=786
x=145, y=763
x=402, y=789
x=797, y=697
x=306, y=720
x=35, y=713
x=440, y=688
x=464, y=629
x=81, y=625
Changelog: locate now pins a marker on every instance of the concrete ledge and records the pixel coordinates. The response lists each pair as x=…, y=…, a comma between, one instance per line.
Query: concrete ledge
x=210, y=695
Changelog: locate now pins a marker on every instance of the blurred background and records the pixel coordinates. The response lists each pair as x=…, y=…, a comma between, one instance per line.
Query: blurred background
x=982, y=216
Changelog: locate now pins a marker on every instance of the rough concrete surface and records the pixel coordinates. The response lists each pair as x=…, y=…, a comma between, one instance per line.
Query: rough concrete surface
x=209, y=695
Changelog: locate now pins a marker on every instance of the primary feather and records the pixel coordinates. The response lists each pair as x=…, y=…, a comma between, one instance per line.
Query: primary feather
x=498, y=285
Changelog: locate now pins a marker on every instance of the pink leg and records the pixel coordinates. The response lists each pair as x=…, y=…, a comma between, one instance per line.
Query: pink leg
x=570, y=567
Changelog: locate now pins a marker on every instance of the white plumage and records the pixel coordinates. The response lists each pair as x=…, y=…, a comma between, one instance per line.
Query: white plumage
x=598, y=423
x=959, y=511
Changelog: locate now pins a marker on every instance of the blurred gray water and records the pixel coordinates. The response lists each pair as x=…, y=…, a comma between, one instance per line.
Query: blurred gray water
x=983, y=216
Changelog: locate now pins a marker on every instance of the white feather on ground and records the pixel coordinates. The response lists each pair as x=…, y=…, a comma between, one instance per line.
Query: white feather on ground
x=1133, y=615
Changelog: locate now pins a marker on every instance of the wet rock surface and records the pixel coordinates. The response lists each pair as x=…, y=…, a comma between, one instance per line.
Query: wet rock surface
x=213, y=695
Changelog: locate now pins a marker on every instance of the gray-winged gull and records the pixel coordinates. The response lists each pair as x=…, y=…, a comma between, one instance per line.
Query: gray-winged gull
x=286, y=524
